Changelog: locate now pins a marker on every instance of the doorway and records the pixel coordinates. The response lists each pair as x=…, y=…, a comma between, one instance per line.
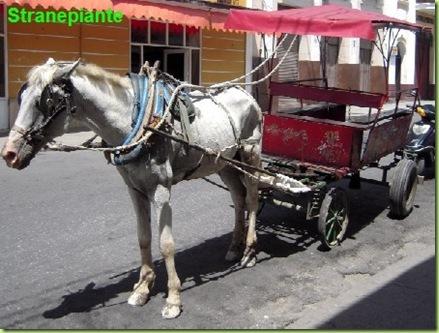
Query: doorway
x=182, y=63
x=176, y=62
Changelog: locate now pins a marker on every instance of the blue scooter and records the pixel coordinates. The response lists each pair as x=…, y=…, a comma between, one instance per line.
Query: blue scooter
x=420, y=145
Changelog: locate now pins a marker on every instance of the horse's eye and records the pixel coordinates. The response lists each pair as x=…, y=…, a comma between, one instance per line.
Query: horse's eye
x=49, y=102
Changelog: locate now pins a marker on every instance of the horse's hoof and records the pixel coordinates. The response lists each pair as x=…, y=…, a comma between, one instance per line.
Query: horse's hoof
x=248, y=261
x=171, y=311
x=137, y=299
x=232, y=256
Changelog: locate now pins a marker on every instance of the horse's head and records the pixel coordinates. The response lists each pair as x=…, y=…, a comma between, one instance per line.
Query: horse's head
x=44, y=106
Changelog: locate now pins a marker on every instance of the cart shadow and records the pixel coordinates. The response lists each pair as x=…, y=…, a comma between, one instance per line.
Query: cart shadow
x=365, y=205
x=196, y=266
x=297, y=234
x=281, y=233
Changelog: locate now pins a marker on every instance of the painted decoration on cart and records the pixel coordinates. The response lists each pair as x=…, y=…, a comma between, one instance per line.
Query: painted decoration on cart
x=315, y=141
x=331, y=149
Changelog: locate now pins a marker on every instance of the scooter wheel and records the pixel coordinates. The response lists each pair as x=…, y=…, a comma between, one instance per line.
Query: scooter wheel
x=420, y=165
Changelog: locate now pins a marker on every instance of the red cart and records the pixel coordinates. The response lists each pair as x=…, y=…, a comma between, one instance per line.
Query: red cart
x=319, y=143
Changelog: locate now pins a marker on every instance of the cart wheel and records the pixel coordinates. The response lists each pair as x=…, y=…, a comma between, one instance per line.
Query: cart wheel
x=333, y=217
x=403, y=189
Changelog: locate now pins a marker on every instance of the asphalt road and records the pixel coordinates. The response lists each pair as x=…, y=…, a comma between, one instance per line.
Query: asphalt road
x=70, y=257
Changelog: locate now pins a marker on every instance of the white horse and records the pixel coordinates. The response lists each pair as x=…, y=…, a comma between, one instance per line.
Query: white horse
x=56, y=92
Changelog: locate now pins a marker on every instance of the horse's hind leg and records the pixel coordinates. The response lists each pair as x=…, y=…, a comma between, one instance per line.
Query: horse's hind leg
x=251, y=155
x=143, y=287
x=231, y=178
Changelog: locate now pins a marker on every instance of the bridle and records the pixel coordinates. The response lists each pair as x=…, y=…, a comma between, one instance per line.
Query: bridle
x=51, y=104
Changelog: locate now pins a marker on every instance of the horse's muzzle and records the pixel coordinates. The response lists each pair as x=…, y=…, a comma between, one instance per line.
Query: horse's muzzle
x=10, y=155
x=18, y=154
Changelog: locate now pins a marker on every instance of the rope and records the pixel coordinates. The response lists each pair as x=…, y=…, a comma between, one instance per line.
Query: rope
x=182, y=85
x=233, y=82
x=278, y=181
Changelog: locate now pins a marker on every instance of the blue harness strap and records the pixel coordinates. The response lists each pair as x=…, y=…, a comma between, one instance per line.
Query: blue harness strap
x=140, y=86
x=182, y=110
x=159, y=108
x=139, y=82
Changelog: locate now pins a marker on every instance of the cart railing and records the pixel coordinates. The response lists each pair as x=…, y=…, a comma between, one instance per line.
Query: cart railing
x=328, y=94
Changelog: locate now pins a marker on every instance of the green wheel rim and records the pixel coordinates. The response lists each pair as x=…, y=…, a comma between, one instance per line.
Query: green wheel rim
x=333, y=217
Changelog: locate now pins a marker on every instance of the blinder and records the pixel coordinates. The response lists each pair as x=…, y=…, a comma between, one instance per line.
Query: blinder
x=50, y=104
x=48, y=100
x=21, y=91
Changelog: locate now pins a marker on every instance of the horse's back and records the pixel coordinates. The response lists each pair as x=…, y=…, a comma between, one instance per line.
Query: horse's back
x=226, y=118
x=223, y=122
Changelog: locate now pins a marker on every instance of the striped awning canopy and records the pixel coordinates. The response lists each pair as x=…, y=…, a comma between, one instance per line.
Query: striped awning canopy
x=197, y=15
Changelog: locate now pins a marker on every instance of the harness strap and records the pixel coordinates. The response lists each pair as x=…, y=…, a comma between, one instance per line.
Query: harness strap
x=19, y=130
x=185, y=123
x=229, y=116
x=147, y=98
x=140, y=82
x=135, y=82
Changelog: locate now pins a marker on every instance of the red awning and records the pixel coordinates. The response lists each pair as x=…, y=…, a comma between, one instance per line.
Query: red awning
x=326, y=20
x=182, y=14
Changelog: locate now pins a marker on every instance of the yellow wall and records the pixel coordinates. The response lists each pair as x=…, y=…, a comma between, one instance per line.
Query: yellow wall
x=32, y=44
x=222, y=53
x=222, y=56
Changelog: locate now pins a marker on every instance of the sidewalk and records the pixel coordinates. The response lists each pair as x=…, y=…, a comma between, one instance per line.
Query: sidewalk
x=400, y=296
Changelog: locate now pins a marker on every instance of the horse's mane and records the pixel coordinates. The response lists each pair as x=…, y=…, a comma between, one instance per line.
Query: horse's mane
x=42, y=75
x=96, y=73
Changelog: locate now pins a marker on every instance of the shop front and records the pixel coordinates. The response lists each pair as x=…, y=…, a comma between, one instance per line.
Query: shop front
x=187, y=38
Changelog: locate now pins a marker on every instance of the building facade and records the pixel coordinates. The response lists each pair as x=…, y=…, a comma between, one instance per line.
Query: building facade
x=357, y=64
x=187, y=38
x=188, y=50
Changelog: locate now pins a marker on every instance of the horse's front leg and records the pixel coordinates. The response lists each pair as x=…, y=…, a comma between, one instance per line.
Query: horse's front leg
x=161, y=198
x=143, y=287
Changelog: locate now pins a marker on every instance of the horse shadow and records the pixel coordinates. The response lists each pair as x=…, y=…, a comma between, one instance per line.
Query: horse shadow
x=281, y=232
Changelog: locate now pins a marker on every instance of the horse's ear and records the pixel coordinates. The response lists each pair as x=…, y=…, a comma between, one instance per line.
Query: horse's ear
x=67, y=70
x=50, y=61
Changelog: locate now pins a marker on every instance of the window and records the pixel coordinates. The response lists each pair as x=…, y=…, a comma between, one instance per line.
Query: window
x=2, y=52
x=139, y=31
x=333, y=47
x=176, y=32
x=155, y=40
x=365, y=51
x=193, y=36
x=158, y=33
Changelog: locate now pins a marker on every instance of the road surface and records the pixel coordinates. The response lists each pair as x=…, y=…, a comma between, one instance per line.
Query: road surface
x=70, y=257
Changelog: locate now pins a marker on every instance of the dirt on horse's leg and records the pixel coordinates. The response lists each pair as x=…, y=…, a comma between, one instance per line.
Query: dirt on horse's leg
x=231, y=178
x=172, y=308
x=143, y=287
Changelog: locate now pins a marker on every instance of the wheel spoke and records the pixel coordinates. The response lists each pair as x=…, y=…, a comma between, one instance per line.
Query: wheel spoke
x=333, y=218
x=330, y=220
x=328, y=234
x=339, y=224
